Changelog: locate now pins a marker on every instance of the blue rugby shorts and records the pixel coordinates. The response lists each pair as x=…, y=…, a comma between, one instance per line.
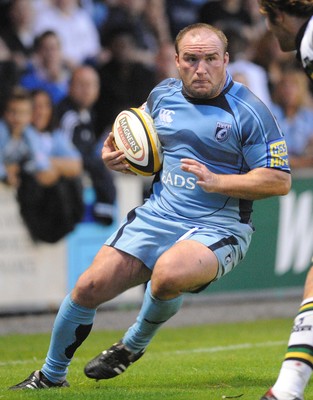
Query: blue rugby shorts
x=146, y=235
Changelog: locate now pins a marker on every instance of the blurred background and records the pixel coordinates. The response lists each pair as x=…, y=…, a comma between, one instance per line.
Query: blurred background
x=67, y=68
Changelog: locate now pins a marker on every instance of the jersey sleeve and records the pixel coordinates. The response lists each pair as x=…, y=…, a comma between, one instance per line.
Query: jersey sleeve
x=262, y=140
x=162, y=89
x=264, y=146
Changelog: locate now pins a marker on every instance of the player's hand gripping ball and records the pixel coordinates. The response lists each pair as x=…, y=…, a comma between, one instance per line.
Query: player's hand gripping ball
x=134, y=133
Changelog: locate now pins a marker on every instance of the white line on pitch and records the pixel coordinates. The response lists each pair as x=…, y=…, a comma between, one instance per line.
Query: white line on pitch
x=230, y=347
x=215, y=349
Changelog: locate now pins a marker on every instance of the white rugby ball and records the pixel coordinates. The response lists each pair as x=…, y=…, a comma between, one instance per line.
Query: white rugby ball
x=134, y=133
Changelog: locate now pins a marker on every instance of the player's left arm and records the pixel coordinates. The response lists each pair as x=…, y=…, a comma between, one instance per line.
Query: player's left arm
x=256, y=184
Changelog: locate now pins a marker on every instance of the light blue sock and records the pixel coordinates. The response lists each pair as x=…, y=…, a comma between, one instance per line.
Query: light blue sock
x=153, y=314
x=71, y=327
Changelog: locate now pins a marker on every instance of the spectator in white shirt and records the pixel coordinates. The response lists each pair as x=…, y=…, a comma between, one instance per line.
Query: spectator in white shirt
x=75, y=28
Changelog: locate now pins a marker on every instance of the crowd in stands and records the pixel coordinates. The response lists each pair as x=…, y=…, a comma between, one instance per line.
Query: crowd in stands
x=67, y=67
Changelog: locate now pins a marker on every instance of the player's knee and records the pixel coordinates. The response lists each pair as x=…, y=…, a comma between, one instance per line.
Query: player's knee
x=164, y=286
x=86, y=292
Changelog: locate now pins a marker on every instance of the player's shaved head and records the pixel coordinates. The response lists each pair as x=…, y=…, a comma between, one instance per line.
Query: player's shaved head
x=200, y=26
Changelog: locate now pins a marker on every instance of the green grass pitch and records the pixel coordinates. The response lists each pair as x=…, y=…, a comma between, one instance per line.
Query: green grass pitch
x=191, y=363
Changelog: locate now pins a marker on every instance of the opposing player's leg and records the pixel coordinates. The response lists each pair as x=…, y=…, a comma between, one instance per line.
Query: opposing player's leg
x=185, y=267
x=297, y=366
x=111, y=273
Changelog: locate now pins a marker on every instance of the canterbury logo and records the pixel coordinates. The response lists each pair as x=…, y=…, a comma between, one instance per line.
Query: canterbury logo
x=166, y=115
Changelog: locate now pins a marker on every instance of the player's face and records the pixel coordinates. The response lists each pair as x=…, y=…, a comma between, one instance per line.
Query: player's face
x=202, y=63
x=279, y=28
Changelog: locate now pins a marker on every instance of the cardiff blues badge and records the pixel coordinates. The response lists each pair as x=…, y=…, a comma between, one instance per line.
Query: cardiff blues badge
x=222, y=132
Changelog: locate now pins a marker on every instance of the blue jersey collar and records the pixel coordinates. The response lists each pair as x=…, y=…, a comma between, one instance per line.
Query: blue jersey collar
x=228, y=84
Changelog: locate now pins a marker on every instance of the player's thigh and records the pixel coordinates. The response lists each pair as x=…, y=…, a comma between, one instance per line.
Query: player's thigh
x=111, y=273
x=185, y=267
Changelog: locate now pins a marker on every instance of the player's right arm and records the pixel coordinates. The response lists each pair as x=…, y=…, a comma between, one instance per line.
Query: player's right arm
x=114, y=159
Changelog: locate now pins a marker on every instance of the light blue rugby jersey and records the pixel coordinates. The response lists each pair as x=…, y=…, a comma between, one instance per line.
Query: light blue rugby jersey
x=231, y=134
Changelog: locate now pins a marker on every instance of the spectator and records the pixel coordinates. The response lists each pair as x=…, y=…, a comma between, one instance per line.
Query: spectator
x=268, y=55
x=65, y=159
x=180, y=14
x=157, y=19
x=252, y=74
x=97, y=9
x=39, y=5
x=77, y=32
x=226, y=13
x=165, y=66
x=19, y=34
x=124, y=82
x=48, y=70
x=76, y=117
x=295, y=116
x=49, y=196
x=19, y=148
x=9, y=74
x=52, y=204
x=133, y=17
x=257, y=25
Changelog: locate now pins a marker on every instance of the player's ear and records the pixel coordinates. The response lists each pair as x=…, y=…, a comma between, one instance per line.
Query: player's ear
x=279, y=16
x=177, y=61
x=226, y=58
